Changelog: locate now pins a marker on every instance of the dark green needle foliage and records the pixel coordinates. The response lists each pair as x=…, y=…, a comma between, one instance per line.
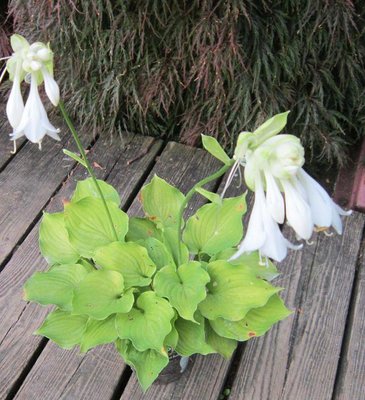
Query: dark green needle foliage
x=179, y=68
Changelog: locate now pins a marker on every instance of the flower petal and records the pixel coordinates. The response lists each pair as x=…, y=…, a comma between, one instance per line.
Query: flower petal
x=298, y=212
x=52, y=89
x=319, y=201
x=255, y=235
x=15, y=104
x=274, y=199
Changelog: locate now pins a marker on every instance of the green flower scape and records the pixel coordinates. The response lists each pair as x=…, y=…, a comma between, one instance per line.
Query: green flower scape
x=144, y=292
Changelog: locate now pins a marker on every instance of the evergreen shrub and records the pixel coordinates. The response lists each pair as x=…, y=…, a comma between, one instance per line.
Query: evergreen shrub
x=176, y=69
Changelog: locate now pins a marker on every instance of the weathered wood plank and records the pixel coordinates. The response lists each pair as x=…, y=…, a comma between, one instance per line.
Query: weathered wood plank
x=319, y=334
x=20, y=319
x=351, y=376
x=206, y=376
x=298, y=358
x=261, y=373
x=26, y=184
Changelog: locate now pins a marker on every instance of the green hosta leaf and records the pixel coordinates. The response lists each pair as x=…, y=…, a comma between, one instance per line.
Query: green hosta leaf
x=233, y=291
x=142, y=228
x=129, y=259
x=148, y=323
x=157, y=252
x=147, y=364
x=257, y=321
x=63, y=328
x=98, y=332
x=54, y=242
x=170, y=241
x=215, y=227
x=173, y=337
x=161, y=202
x=221, y=345
x=215, y=149
x=75, y=157
x=271, y=127
x=213, y=197
x=184, y=287
x=87, y=188
x=88, y=225
x=101, y=294
x=265, y=270
x=192, y=337
x=55, y=286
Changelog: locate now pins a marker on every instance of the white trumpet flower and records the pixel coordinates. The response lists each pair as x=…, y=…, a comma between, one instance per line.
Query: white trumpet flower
x=34, y=123
x=263, y=233
x=35, y=64
x=15, y=104
x=325, y=212
x=273, y=164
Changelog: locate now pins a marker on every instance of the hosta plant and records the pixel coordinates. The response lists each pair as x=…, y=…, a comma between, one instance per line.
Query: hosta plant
x=142, y=293
x=159, y=284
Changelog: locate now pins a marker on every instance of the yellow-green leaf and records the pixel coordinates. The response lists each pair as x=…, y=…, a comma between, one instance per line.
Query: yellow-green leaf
x=88, y=188
x=63, y=328
x=184, y=287
x=215, y=149
x=98, y=332
x=55, y=286
x=148, y=323
x=88, y=225
x=233, y=291
x=147, y=364
x=161, y=202
x=215, y=227
x=101, y=294
x=54, y=241
x=129, y=259
x=256, y=322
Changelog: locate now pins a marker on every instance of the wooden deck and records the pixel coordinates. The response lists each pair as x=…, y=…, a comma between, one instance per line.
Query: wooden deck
x=318, y=353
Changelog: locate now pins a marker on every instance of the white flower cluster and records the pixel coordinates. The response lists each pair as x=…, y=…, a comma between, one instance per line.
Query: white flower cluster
x=33, y=64
x=284, y=192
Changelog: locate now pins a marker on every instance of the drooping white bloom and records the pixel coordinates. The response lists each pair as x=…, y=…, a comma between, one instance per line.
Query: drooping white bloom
x=325, y=212
x=34, y=63
x=273, y=164
x=15, y=104
x=34, y=123
x=263, y=233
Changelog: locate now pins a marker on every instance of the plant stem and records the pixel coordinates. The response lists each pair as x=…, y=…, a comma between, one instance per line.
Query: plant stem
x=87, y=164
x=189, y=195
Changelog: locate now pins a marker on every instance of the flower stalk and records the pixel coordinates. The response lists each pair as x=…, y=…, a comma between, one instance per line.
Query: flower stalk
x=87, y=164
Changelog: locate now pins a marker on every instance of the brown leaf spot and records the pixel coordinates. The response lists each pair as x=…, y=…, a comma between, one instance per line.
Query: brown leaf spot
x=251, y=334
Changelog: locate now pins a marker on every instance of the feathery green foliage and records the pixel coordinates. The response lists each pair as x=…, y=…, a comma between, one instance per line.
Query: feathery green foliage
x=176, y=69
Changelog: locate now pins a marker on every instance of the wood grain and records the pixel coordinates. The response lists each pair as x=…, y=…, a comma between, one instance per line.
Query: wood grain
x=20, y=319
x=351, y=376
x=261, y=373
x=319, y=332
x=273, y=363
